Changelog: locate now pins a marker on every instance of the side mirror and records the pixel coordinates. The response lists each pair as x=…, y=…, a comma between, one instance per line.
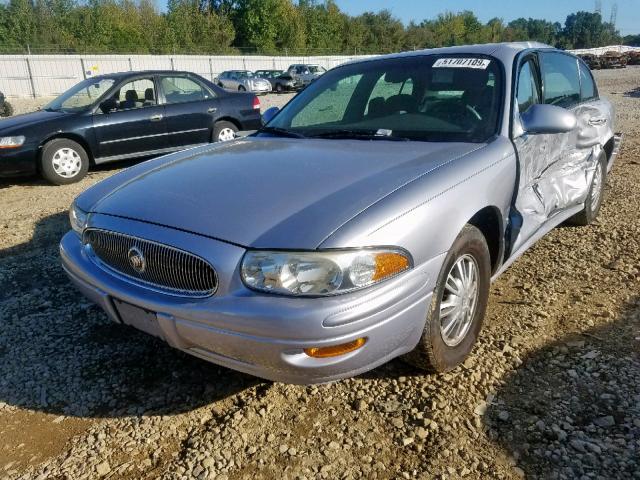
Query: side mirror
x=269, y=114
x=109, y=105
x=541, y=118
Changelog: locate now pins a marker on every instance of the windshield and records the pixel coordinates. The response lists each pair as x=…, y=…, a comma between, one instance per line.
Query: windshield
x=82, y=95
x=244, y=74
x=316, y=69
x=429, y=98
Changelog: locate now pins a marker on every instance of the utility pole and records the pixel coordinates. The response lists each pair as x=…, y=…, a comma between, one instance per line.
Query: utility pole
x=614, y=14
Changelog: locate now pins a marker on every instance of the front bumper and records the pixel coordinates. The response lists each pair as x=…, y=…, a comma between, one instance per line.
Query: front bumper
x=18, y=161
x=262, y=88
x=260, y=334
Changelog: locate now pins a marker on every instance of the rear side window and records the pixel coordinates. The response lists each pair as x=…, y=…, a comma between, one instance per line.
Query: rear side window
x=588, y=89
x=528, y=93
x=560, y=79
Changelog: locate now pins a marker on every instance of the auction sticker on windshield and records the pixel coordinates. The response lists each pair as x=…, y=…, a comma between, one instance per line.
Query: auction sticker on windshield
x=481, y=63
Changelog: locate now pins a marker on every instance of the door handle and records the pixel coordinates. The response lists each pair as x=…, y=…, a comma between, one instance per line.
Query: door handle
x=212, y=110
x=597, y=121
x=155, y=118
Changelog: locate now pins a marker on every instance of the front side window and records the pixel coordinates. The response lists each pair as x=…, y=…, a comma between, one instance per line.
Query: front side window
x=183, y=89
x=82, y=95
x=428, y=98
x=527, y=92
x=560, y=79
x=588, y=89
x=136, y=94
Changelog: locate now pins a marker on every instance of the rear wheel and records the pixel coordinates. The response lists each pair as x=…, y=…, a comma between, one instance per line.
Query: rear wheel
x=63, y=161
x=593, y=201
x=458, y=305
x=279, y=88
x=242, y=89
x=224, y=131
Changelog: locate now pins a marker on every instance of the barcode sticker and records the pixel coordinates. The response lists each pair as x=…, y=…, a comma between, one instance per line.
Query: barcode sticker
x=481, y=63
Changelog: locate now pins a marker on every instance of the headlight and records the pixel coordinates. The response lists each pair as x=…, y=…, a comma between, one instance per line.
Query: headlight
x=77, y=218
x=327, y=272
x=12, y=142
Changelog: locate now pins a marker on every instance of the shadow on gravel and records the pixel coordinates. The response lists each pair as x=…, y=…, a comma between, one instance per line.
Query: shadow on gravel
x=60, y=354
x=572, y=410
x=37, y=181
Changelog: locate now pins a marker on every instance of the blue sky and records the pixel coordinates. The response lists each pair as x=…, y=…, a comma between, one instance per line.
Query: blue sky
x=553, y=10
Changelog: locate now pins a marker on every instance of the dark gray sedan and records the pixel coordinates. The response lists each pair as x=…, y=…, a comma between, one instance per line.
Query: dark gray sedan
x=365, y=221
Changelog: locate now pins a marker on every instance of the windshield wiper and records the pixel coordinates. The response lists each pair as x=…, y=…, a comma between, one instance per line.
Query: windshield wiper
x=281, y=132
x=359, y=135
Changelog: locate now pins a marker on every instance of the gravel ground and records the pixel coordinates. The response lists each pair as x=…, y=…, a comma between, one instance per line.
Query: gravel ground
x=552, y=390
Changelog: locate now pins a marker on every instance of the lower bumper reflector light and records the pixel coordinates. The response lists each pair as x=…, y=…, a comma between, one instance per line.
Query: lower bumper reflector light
x=335, y=350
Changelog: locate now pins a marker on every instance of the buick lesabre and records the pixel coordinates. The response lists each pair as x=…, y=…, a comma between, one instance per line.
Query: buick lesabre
x=363, y=222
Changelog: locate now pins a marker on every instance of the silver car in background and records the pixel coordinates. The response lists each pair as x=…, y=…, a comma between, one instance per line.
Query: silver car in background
x=305, y=73
x=243, y=81
x=364, y=222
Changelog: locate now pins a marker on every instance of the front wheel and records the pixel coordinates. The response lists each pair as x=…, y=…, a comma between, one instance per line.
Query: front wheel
x=242, y=89
x=224, y=131
x=63, y=161
x=458, y=305
x=279, y=88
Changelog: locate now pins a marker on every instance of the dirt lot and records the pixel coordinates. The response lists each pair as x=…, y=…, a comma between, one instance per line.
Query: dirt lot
x=551, y=391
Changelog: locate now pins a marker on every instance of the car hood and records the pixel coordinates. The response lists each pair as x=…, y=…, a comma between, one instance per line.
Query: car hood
x=267, y=192
x=14, y=123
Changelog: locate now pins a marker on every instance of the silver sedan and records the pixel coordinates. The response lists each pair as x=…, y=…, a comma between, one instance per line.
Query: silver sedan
x=243, y=81
x=364, y=222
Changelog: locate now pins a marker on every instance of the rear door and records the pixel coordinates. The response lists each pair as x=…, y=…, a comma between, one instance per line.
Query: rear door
x=572, y=155
x=190, y=108
x=136, y=126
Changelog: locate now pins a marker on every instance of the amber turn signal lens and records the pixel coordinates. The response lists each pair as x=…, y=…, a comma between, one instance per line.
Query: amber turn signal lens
x=335, y=350
x=388, y=264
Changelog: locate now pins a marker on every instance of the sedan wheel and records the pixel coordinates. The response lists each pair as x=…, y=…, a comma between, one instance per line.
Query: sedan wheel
x=224, y=131
x=457, y=306
x=63, y=161
x=459, y=300
x=279, y=88
x=242, y=89
x=66, y=162
x=593, y=202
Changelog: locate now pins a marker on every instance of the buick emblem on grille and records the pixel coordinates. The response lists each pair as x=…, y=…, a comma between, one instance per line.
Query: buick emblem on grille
x=136, y=259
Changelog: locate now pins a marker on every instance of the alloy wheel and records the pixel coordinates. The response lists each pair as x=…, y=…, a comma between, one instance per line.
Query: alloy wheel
x=459, y=300
x=226, y=134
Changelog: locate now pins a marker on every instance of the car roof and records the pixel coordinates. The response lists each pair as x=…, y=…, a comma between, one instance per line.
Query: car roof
x=137, y=73
x=504, y=50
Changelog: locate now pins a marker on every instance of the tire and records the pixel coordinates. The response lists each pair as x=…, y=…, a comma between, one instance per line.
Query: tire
x=6, y=110
x=279, y=88
x=242, y=89
x=594, y=197
x=63, y=161
x=438, y=351
x=221, y=131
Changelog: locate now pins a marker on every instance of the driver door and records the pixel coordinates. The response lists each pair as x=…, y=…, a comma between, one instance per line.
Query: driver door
x=136, y=127
x=529, y=212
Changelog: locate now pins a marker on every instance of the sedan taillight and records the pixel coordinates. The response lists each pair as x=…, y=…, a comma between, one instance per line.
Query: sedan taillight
x=256, y=103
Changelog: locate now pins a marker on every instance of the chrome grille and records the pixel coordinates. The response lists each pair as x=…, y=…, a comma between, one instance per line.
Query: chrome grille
x=167, y=269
